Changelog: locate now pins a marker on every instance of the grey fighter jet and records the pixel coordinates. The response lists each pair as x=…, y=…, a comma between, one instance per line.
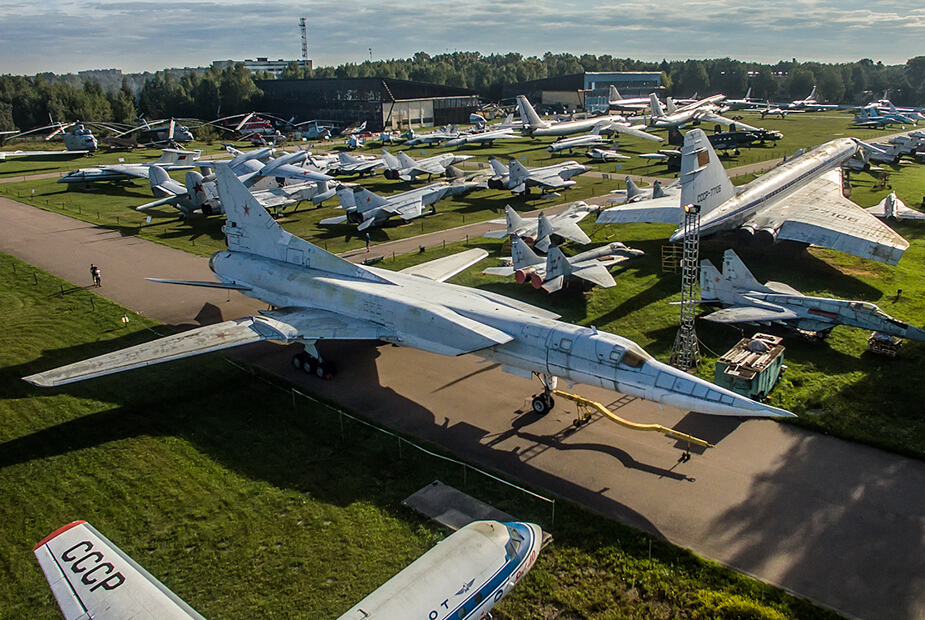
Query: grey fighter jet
x=749, y=301
x=519, y=179
x=551, y=272
x=564, y=224
x=321, y=296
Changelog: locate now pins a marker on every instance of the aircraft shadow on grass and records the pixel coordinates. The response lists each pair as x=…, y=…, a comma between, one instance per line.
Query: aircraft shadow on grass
x=227, y=418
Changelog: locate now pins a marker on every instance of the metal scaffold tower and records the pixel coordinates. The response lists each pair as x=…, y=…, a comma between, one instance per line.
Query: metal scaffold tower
x=685, y=352
x=304, y=39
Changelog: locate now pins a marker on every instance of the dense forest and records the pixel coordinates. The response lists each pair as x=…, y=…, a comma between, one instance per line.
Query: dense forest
x=27, y=102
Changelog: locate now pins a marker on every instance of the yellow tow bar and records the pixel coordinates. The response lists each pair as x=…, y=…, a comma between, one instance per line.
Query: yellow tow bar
x=585, y=407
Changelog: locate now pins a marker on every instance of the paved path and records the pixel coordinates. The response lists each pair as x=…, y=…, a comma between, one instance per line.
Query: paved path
x=839, y=523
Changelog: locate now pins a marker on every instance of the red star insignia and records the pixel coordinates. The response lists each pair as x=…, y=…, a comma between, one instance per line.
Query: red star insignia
x=247, y=210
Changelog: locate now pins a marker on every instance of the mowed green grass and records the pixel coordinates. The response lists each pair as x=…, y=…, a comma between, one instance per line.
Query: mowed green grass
x=248, y=507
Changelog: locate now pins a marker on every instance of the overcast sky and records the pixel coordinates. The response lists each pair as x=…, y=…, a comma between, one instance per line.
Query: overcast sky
x=71, y=35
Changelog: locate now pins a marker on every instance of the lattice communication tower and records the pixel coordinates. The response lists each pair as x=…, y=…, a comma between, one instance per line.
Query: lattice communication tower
x=304, y=39
x=685, y=352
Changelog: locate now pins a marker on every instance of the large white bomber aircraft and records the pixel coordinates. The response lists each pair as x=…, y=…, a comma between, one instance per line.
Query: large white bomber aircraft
x=800, y=200
x=320, y=296
x=534, y=126
x=462, y=578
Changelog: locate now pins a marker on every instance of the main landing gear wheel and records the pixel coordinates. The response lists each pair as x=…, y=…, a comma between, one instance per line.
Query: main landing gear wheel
x=311, y=365
x=543, y=403
x=325, y=370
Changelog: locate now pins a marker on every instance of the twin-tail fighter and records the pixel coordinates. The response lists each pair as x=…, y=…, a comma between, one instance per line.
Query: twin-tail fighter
x=356, y=164
x=406, y=168
x=462, y=578
x=519, y=179
x=564, y=224
x=551, y=272
x=367, y=209
x=748, y=301
x=439, y=136
x=320, y=296
x=801, y=200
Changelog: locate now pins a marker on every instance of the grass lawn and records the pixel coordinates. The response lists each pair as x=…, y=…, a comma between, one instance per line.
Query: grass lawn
x=248, y=507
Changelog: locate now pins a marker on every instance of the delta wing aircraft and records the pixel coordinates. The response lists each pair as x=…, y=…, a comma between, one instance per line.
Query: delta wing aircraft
x=170, y=159
x=605, y=155
x=550, y=273
x=749, y=301
x=800, y=200
x=893, y=207
x=321, y=296
x=461, y=578
x=564, y=224
x=519, y=179
x=406, y=168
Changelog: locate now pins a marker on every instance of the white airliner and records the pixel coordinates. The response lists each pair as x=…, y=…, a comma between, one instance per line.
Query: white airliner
x=461, y=578
x=800, y=200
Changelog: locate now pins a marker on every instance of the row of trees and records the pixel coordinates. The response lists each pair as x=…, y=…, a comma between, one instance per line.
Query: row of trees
x=27, y=102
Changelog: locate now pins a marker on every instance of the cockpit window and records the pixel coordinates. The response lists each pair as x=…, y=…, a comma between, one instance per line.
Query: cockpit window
x=513, y=545
x=632, y=359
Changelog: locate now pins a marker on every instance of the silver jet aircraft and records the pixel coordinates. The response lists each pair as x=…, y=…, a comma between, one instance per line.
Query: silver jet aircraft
x=800, y=200
x=893, y=207
x=92, y=578
x=551, y=272
x=170, y=159
x=367, y=209
x=406, y=168
x=564, y=224
x=322, y=296
x=519, y=179
x=749, y=301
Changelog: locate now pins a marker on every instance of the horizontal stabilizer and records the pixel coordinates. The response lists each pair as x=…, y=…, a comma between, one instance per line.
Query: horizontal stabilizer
x=167, y=200
x=442, y=269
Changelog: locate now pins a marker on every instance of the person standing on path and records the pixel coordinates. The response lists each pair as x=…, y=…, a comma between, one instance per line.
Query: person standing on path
x=367, y=242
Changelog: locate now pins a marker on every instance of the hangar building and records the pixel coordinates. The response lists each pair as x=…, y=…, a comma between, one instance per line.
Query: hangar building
x=588, y=90
x=384, y=103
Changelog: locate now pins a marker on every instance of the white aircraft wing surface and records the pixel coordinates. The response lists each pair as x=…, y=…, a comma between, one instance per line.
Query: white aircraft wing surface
x=140, y=172
x=595, y=272
x=407, y=210
x=570, y=230
x=665, y=210
x=499, y=271
x=92, y=578
x=638, y=133
x=549, y=180
x=819, y=214
x=284, y=325
x=745, y=314
x=13, y=154
x=444, y=268
x=429, y=167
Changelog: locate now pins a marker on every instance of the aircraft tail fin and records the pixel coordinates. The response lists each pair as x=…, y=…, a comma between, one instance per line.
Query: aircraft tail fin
x=518, y=172
x=162, y=185
x=507, y=122
x=632, y=190
x=514, y=221
x=250, y=229
x=657, y=191
x=527, y=114
x=406, y=160
x=812, y=95
x=522, y=256
x=711, y=282
x=748, y=94
x=614, y=93
x=703, y=179
x=345, y=196
x=497, y=167
x=557, y=264
x=655, y=107
x=737, y=274
x=195, y=189
x=124, y=589
x=365, y=200
x=670, y=106
x=391, y=162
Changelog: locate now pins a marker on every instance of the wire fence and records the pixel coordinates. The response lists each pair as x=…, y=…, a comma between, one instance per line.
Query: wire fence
x=402, y=441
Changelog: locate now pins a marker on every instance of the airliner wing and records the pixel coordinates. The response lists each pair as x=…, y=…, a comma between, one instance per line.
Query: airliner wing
x=442, y=269
x=92, y=578
x=665, y=210
x=819, y=214
x=638, y=133
x=282, y=325
x=748, y=314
